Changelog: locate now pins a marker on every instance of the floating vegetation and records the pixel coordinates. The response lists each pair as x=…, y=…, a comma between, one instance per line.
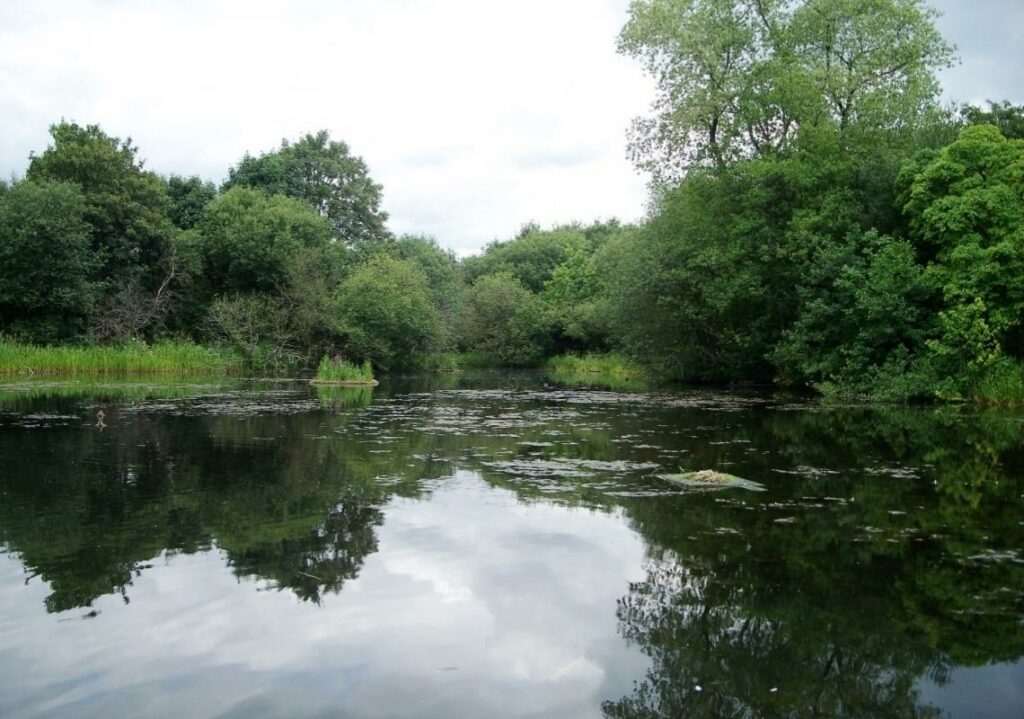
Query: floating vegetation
x=709, y=479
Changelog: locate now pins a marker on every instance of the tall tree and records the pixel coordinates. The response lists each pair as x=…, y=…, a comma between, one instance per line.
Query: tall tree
x=706, y=56
x=45, y=261
x=873, y=62
x=126, y=206
x=323, y=173
x=249, y=238
x=189, y=197
x=740, y=78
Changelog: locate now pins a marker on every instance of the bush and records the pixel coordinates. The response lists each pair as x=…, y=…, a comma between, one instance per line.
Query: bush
x=386, y=314
x=503, y=321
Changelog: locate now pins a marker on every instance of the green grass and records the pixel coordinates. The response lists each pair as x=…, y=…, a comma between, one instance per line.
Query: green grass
x=1001, y=384
x=607, y=370
x=136, y=358
x=340, y=370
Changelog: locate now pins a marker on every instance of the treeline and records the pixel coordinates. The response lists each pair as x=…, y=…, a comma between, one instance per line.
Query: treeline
x=288, y=260
x=816, y=219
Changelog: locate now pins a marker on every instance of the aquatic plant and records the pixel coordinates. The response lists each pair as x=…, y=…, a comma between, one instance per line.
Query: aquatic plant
x=340, y=370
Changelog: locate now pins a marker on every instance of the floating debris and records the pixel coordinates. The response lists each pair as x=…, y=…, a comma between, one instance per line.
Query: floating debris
x=710, y=479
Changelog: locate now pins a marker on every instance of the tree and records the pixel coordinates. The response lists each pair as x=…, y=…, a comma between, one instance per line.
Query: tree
x=46, y=293
x=387, y=315
x=189, y=197
x=872, y=61
x=126, y=206
x=571, y=301
x=709, y=59
x=1007, y=117
x=440, y=268
x=503, y=321
x=531, y=257
x=248, y=238
x=742, y=78
x=322, y=173
x=966, y=210
x=862, y=318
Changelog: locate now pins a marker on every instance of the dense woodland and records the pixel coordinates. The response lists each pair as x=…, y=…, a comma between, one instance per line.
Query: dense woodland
x=817, y=219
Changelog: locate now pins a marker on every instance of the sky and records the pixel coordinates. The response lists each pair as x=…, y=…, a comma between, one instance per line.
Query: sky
x=476, y=116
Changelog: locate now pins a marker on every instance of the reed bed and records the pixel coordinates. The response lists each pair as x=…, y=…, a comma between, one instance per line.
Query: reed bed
x=137, y=358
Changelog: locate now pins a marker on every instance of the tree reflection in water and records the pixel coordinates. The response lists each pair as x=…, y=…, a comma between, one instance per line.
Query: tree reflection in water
x=887, y=548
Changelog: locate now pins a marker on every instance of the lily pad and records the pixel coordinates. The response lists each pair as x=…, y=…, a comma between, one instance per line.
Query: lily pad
x=710, y=479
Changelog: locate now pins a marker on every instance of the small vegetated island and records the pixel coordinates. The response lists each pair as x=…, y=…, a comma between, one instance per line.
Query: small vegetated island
x=818, y=219
x=342, y=373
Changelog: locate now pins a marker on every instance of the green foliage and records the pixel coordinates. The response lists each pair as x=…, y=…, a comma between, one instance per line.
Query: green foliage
x=386, y=314
x=189, y=197
x=322, y=173
x=46, y=266
x=1007, y=117
x=740, y=79
x=531, y=258
x=966, y=207
x=503, y=321
x=1002, y=382
x=861, y=313
x=706, y=287
x=610, y=370
x=444, y=362
x=441, y=270
x=257, y=328
x=572, y=300
x=126, y=206
x=133, y=358
x=965, y=350
x=248, y=239
x=338, y=369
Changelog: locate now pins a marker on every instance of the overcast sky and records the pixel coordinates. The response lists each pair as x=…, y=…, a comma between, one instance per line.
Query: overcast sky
x=476, y=115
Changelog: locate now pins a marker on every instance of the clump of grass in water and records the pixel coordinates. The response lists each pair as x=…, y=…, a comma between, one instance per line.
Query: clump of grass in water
x=339, y=370
x=133, y=358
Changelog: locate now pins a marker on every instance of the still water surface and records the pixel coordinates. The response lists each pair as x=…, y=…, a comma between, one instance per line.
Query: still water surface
x=490, y=545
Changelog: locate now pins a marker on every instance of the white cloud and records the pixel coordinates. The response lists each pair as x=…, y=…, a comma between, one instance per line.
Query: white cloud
x=475, y=116
x=473, y=605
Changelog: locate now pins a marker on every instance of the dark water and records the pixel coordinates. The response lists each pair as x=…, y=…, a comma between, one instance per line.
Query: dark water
x=486, y=546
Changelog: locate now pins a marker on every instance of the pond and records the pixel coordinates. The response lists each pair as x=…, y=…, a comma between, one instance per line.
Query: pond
x=492, y=544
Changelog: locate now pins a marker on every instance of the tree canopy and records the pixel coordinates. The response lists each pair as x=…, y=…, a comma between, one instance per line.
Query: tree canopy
x=740, y=78
x=323, y=173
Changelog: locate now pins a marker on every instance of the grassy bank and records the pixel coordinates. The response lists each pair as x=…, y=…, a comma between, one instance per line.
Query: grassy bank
x=166, y=358
x=607, y=370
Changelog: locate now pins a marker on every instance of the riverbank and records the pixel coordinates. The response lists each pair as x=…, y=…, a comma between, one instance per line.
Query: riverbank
x=135, y=358
x=610, y=370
